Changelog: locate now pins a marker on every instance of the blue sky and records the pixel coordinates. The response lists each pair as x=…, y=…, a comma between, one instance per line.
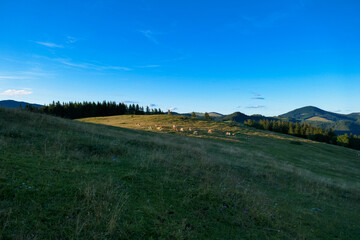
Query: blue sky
x=265, y=57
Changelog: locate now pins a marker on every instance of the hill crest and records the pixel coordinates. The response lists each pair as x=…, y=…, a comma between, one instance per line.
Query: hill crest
x=16, y=104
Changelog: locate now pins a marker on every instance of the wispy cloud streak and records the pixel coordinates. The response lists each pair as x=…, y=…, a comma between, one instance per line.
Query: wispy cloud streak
x=70, y=40
x=149, y=35
x=256, y=106
x=50, y=45
x=90, y=65
x=257, y=96
x=149, y=66
x=129, y=102
x=11, y=77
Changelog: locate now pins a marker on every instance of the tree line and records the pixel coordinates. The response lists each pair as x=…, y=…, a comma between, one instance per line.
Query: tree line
x=75, y=110
x=306, y=130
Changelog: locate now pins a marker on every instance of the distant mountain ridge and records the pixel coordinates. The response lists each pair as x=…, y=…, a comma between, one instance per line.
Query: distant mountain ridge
x=308, y=112
x=211, y=114
x=241, y=117
x=340, y=123
x=16, y=104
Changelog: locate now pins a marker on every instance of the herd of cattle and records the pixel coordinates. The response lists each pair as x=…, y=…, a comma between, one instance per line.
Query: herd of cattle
x=182, y=129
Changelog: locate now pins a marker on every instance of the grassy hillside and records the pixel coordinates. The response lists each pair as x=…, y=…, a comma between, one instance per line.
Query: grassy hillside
x=63, y=179
x=319, y=119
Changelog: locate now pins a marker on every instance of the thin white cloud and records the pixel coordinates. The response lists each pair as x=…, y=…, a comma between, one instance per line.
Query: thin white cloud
x=111, y=68
x=129, y=101
x=36, y=74
x=67, y=62
x=149, y=35
x=149, y=66
x=15, y=93
x=90, y=65
x=11, y=77
x=258, y=96
x=50, y=44
x=256, y=106
x=21, y=75
x=172, y=109
x=70, y=39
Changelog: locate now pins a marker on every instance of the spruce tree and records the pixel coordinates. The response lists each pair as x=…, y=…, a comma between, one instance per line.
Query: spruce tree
x=297, y=129
x=207, y=116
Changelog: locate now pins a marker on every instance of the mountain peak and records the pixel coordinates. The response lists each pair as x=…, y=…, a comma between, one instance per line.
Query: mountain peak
x=310, y=112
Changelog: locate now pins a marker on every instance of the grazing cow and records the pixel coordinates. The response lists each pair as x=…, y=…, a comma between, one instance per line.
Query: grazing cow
x=190, y=129
x=228, y=134
x=195, y=132
x=137, y=124
x=209, y=131
x=150, y=127
x=234, y=134
x=174, y=127
x=181, y=129
x=159, y=128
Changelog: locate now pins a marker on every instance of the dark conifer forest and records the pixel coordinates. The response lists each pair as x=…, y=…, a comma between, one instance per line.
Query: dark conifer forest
x=306, y=130
x=74, y=110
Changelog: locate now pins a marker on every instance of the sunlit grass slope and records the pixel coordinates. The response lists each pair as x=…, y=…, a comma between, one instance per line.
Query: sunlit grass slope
x=63, y=179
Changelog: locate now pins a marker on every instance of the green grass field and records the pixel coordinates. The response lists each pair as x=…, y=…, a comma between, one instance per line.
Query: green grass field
x=63, y=179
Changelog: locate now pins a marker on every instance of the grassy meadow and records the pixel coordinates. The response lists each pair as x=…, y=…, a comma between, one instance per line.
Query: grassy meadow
x=118, y=179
